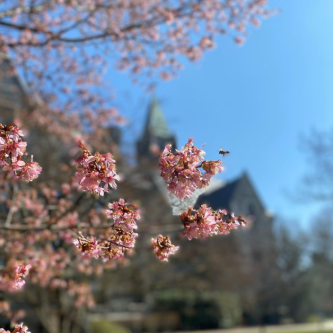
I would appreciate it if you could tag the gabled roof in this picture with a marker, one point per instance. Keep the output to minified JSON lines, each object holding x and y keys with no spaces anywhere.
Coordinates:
{"x":224,"y":196}
{"x":219,"y":198}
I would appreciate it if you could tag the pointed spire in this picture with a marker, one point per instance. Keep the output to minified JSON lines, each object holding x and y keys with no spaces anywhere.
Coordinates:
{"x":156,"y":133}
{"x":156,"y":124}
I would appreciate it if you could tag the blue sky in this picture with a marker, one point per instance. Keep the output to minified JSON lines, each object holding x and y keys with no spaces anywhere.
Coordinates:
{"x":255,"y":100}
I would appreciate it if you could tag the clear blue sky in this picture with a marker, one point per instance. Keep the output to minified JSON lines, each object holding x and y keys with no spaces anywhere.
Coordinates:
{"x":255,"y":100}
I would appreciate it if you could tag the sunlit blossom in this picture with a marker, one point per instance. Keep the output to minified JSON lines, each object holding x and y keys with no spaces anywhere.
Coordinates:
{"x":163,"y":247}
{"x":182,"y":172}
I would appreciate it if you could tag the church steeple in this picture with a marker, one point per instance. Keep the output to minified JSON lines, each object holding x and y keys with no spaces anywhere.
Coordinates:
{"x":156,"y":133}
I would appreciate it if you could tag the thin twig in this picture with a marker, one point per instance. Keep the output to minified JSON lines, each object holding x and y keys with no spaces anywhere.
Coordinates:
{"x":11,"y":209}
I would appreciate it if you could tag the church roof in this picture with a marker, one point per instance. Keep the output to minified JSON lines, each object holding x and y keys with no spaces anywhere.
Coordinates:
{"x":221,"y":197}
{"x":156,"y":124}
{"x":226,"y":195}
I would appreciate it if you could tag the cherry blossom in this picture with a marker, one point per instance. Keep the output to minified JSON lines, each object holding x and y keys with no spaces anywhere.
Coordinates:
{"x":124,"y":215}
{"x":118,"y":238}
{"x":205,"y":222}
{"x":96,"y":173}
{"x":88,"y":246}
{"x":163,"y":247}
{"x":118,"y":243}
{"x":114,"y":247}
{"x":45,"y":222}
{"x":64,"y":50}
{"x":17,"y":329}
{"x":12,"y":278}
{"x":30,"y":171}
{"x":21,"y":272}
{"x":181,"y":169}
{"x":12,"y":150}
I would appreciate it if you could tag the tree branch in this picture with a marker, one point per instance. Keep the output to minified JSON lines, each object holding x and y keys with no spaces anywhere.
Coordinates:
{"x":11,"y":209}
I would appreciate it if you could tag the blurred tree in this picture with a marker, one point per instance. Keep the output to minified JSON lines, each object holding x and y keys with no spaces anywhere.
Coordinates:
{"x":294,"y":287}
{"x":321,"y":269}
{"x":313,"y":290}
{"x":318,"y":183}
{"x":62,"y":49}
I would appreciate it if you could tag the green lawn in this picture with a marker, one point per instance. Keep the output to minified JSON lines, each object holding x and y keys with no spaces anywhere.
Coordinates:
{"x":296,"y":331}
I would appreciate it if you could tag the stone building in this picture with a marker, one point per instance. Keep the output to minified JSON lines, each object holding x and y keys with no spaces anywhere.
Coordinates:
{"x":238,"y":196}
{"x":13,"y":94}
{"x":244,"y":263}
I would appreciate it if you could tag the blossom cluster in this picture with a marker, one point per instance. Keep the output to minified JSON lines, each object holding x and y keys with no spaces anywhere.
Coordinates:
{"x":72,"y":67}
{"x":17,"y":329}
{"x":21,"y":272}
{"x":123,"y":215}
{"x":205,"y":222}
{"x":96,"y":173}
{"x":88,"y":246}
{"x":13,"y":277}
{"x":182,"y":172}
{"x":110,"y":233}
{"x":114,"y":247}
{"x":163,"y":247}
{"x":12,"y":150}
{"x":120,"y":237}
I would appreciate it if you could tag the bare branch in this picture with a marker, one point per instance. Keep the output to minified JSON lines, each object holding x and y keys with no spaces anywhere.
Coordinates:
{"x":11,"y":209}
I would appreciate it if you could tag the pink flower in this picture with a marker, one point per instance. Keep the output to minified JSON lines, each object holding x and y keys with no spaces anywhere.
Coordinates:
{"x":163,"y":247}
{"x":255,"y":21}
{"x":181,"y":170}
{"x":239,"y":40}
{"x":118,"y":242}
{"x":17,"y":329}
{"x":21,"y":272}
{"x":17,"y":132}
{"x":123,"y":215}
{"x":88,"y":247}
{"x":20,"y":329}
{"x":206,"y":43}
{"x":96,"y":173}
{"x":212,"y":167}
{"x":120,"y":237}
{"x":4,"y":331}
{"x":205,"y":222}
{"x":30,"y":171}
{"x":14,"y":146}
{"x":14,"y":166}
{"x":2,"y":144}
{"x":12,"y":149}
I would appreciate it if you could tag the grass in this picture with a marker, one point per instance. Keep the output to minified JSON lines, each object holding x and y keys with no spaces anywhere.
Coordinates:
{"x":318,"y":331}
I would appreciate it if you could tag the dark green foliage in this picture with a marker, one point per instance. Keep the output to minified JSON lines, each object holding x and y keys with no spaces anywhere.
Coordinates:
{"x":194,"y":314}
